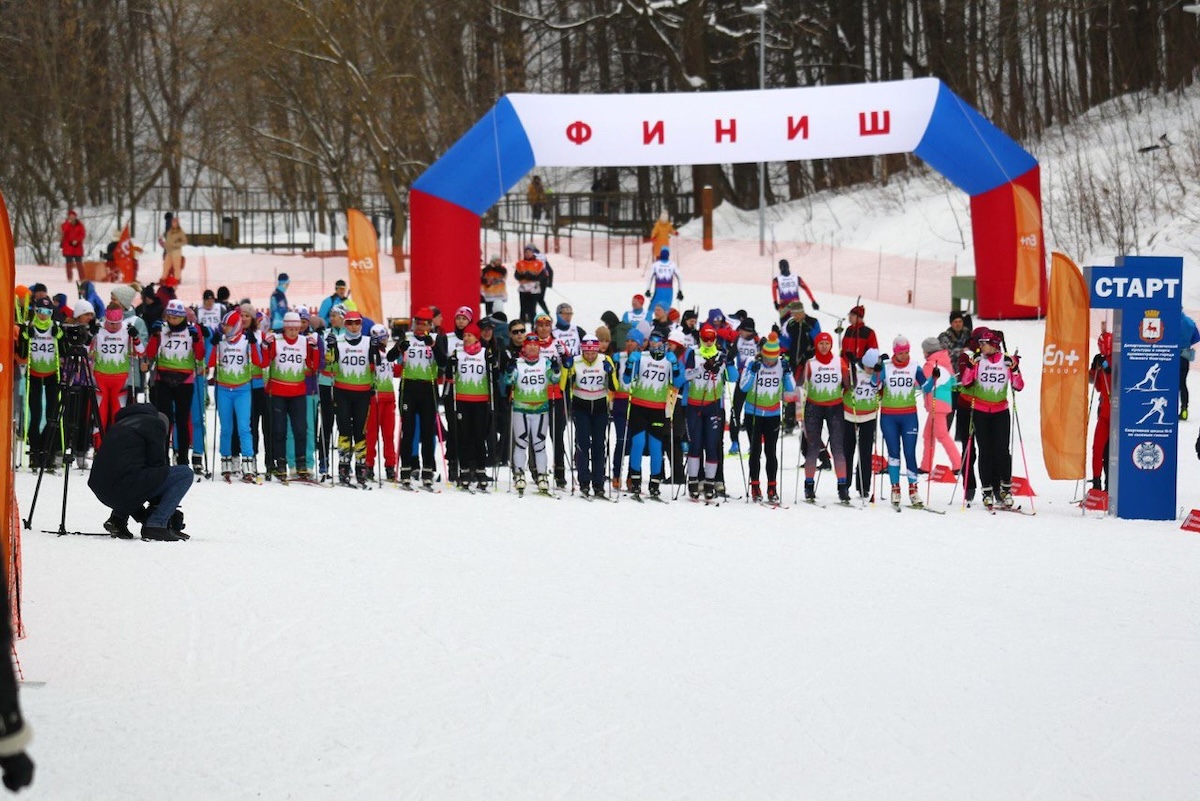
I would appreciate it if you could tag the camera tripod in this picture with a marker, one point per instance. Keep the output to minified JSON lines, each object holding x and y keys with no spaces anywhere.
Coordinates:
{"x":77,"y":394}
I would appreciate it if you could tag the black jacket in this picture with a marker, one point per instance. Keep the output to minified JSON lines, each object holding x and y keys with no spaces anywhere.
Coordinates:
{"x":800,"y":341}
{"x":131,"y":463}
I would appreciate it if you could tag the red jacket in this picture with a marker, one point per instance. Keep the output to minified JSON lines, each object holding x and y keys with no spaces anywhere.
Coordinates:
{"x":73,"y":235}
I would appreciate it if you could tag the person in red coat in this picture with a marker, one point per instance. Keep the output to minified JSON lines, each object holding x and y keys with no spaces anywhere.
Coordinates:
{"x":73,"y":234}
{"x":859,"y":337}
{"x":1101,"y":377}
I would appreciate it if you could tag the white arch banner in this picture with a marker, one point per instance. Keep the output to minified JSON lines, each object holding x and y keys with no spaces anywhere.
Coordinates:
{"x":727,"y":127}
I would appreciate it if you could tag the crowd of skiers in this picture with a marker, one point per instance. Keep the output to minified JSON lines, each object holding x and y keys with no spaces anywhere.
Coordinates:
{"x":572,"y":406}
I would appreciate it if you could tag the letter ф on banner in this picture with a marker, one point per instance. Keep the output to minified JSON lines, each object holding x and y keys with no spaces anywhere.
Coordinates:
{"x":1146,"y":294}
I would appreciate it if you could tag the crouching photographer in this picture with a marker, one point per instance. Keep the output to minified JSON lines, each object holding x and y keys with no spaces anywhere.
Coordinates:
{"x":132,"y":476}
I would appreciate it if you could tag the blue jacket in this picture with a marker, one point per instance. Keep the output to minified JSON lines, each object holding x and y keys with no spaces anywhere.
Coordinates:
{"x":1188,"y":337}
{"x":279,"y":307}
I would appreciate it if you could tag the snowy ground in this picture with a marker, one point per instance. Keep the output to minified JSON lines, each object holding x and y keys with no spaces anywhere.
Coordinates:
{"x":320,"y":643}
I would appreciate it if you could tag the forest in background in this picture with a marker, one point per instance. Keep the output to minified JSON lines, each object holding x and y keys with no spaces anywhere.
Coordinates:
{"x":321,"y":104}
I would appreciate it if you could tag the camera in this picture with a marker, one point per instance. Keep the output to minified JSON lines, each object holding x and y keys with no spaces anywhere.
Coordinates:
{"x":76,"y":336}
{"x":399,"y":327}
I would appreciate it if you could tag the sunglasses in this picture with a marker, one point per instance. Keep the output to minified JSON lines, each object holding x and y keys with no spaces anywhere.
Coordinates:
{"x":44,"y":312}
{"x":517,"y":331}
{"x":354,"y":322}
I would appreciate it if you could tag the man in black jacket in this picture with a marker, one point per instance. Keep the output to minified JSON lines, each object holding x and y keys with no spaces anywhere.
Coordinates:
{"x":131,"y":469}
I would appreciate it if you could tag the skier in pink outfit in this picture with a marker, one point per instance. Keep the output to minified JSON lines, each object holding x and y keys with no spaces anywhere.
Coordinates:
{"x":938,"y":389}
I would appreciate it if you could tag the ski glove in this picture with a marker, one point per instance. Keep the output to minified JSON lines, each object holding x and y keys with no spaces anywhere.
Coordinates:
{"x":679,"y":295}
{"x":156,"y":326}
{"x":1013,"y":363}
{"x":1198,"y":447}
{"x":251,"y":337}
{"x":755,"y":365}
{"x":608,"y":368}
{"x":937,"y":373}
{"x":816,"y":306}
{"x":131,"y":329}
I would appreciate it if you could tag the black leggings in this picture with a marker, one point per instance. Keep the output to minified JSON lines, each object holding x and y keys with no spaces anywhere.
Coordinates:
{"x":471,"y":432}
{"x":970,"y":448}
{"x":995,"y":458}
{"x":293,"y":410}
{"x":352,"y":408}
{"x":39,"y":388}
{"x":419,"y":404}
{"x":1184,"y":367}
{"x":860,"y":436}
{"x":175,"y":401}
{"x":764,"y":435}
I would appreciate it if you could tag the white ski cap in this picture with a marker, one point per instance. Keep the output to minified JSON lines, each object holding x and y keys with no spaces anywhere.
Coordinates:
{"x":871,"y":358}
{"x":676,"y":337}
{"x":82,"y":307}
{"x":292,"y":317}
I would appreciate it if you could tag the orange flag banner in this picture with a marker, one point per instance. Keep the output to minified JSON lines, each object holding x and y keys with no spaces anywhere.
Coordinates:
{"x":123,"y":257}
{"x":10,"y":521}
{"x":1065,"y":366}
{"x":1027,"y":290}
{"x":363,"y":248}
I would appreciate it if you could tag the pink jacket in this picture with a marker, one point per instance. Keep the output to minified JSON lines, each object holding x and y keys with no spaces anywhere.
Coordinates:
{"x":938,"y":398}
{"x":1014,"y":377}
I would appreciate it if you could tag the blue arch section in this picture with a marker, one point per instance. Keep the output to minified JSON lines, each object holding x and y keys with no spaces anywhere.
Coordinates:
{"x":484,"y":164}
{"x":971,"y":152}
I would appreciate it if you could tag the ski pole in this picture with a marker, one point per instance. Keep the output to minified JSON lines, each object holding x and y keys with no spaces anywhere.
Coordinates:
{"x":967,"y":465}
{"x":753,"y":437}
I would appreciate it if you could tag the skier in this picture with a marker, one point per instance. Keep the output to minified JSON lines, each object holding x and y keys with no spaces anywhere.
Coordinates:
{"x":746,"y":351}
{"x":177,"y":353}
{"x":637,"y":316}
{"x":471,"y":371}
{"x":991,"y":373}
{"x":663,"y":276}
{"x":707,"y":371}
{"x":353,"y":361}
{"x":291,"y":358}
{"x":648,"y":377}
{"x":767,"y":383}
{"x":900,"y":378}
{"x":418,"y":402}
{"x":786,"y":287}
{"x":381,"y":417}
{"x":590,"y":378}
{"x":529,"y":378}
{"x":114,"y":345}
{"x":860,"y":404}
{"x":552,"y":348}
{"x":620,"y":407}
{"x":1101,"y":378}
{"x":938,"y":390}
{"x":325,"y":403}
{"x":279,"y":302}
{"x":232,"y":359}
{"x":826,"y":379}
{"x":447,"y":346}
{"x":858,"y":337}
{"x":39,"y":345}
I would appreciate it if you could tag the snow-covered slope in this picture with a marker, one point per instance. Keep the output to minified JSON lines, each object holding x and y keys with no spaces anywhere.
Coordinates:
{"x":321,"y":643}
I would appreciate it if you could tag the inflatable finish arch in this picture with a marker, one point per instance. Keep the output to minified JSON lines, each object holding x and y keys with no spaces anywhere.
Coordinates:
{"x":922,"y":116}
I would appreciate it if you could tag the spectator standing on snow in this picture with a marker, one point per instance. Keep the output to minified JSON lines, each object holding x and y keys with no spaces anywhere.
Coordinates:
{"x":173,"y":243}
{"x":660,"y":235}
{"x":279,"y":302}
{"x":73,"y":236}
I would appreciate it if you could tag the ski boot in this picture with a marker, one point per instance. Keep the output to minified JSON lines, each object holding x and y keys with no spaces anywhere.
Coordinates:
{"x":118,"y":526}
{"x":543,"y":484}
{"x":896,"y":497}
{"x":406,"y":478}
{"x":772,"y":493}
{"x":656,"y":487}
{"x":914,"y":497}
{"x":481,"y":480}
{"x":598,"y":492}
{"x":344,"y":473}
{"x":81,"y":461}
{"x":452,"y":473}
{"x":693,"y":489}
{"x":719,"y":488}
{"x":560,"y":478}
{"x":198,"y":465}
{"x":360,"y":474}
{"x":389,"y":473}
{"x":427,"y":480}
{"x":755,"y":492}
{"x":843,"y":492}
{"x":734,"y":448}
{"x":810,"y":490}
{"x":1006,"y":496}
{"x":634,"y":485}
{"x":585,"y":492}
{"x":519,"y":481}
{"x":1096,"y":483}
{"x":1183,"y":413}
{"x":227,"y":469}
{"x":989,"y":500}
{"x":710,"y":491}
{"x":249,"y":470}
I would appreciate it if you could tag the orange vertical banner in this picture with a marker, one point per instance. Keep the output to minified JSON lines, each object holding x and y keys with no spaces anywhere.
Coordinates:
{"x":363,"y":248}
{"x":10,"y":521}
{"x":1027,"y":290}
{"x":1065,"y":372}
